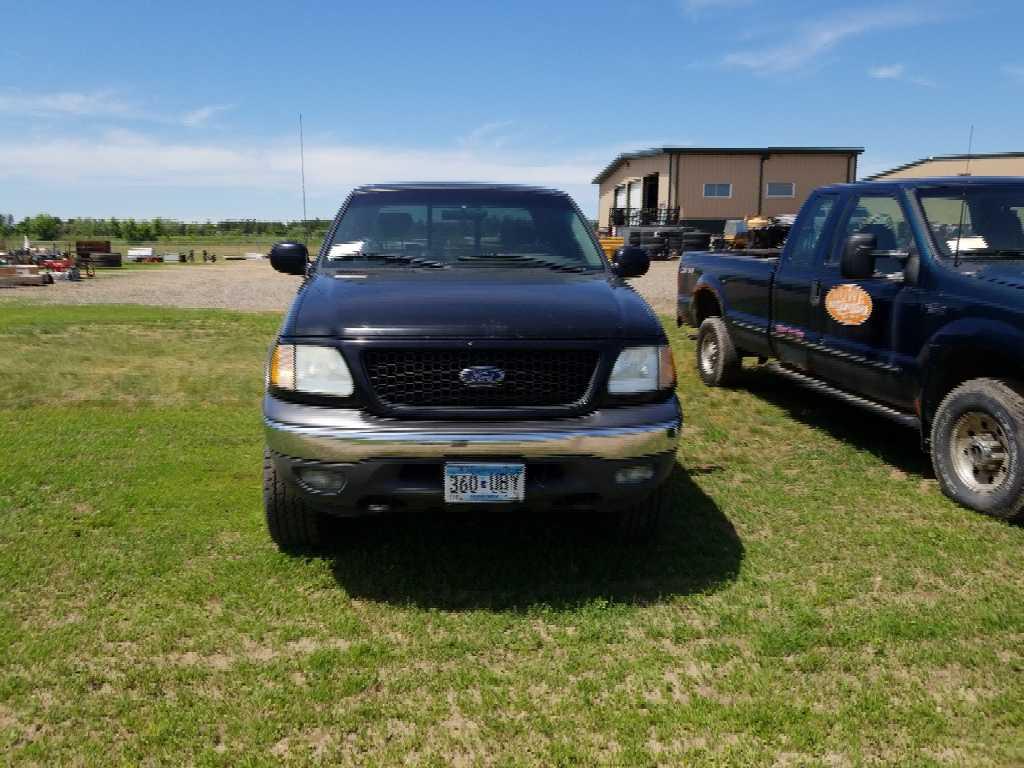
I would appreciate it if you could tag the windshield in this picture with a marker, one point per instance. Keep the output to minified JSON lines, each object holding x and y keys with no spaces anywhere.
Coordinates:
{"x":433,"y":228}
{"x":983,"y":221}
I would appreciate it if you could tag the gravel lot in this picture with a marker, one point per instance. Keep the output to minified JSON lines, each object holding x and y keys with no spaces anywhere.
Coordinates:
{"x":248,"y":285}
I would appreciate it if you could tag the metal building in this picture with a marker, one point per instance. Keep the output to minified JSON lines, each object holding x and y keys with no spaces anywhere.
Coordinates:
{"x":997,"y":164}
{"x":706,"y":186}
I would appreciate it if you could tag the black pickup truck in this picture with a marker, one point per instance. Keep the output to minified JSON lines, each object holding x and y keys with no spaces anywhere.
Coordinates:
{"x":905,"y":297}
{"x":465,"y":344}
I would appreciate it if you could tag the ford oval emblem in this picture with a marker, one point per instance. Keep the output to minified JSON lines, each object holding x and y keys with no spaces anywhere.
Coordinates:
{"x":482,"y":376}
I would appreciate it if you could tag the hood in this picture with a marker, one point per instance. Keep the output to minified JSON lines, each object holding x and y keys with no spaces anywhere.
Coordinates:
{"x":470,"y":303}
{"x":1006,"y":273}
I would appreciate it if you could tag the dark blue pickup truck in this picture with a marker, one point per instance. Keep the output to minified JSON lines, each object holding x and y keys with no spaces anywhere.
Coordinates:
{"x":905,"y":297}
{"x":463,"y":344}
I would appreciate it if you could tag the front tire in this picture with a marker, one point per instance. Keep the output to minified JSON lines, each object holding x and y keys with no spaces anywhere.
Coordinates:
{"x":977,"y":444}
{"x":639,"y":521}
{"x":292,"y":525}
{"x":718,"y":363}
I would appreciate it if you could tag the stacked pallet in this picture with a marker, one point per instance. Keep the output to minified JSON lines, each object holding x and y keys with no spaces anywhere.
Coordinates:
{"x":12,"y":275}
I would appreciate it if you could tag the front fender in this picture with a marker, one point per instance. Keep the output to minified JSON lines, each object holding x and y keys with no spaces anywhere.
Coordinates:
{"x":967,"y":348}
{"x":971,"y":333}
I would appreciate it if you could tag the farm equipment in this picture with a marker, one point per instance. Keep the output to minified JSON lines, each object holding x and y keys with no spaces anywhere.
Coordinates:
{"x":666,"y":242}
{"x":754,"y":233}
{"x":144,"y":255}
{"x":56,"y":262}
{"x":13,"y":275}
{"x":610,"y":245}
{"x":96,"y":253}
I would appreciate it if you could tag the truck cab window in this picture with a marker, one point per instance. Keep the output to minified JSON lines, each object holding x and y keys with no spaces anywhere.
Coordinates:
{"x":975,"y":221}
{"x":809,"y":232}
{"x":881,"y":216}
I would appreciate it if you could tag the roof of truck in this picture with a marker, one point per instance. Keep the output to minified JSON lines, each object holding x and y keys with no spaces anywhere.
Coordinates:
{"x":401,"y":186}
{"x":929,"y":181}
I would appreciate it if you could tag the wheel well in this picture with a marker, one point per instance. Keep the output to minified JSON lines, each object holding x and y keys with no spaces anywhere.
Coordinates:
{"x":705,"y":305}
{"x":954,"y":369}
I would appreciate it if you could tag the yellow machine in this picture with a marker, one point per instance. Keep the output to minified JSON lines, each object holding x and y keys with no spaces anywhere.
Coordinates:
{"x":610,"y":245}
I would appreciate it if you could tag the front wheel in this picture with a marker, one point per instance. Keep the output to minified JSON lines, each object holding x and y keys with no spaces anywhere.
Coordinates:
{"x":718,"y":363}
{"x":639,"y":521}
{"x":977,"y":444}
{"x":292,"y":525}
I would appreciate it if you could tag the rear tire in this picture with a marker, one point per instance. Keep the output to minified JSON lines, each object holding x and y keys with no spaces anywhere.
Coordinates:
{"x":977,"y":445}
{"x":718,"y":363}
{"x":292,"y":525}
{"x":639,"y":521}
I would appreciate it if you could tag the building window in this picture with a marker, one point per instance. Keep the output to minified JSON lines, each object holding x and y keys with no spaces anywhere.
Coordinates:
{"x":781,"y":189}
{"x":718,"y":190}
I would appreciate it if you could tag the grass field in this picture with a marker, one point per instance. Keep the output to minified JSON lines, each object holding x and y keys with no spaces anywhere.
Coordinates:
{"x":811,"y":600}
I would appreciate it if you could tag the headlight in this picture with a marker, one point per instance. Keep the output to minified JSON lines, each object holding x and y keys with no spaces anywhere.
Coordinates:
{"x":643,"y":369}
{"x":311,"y":369}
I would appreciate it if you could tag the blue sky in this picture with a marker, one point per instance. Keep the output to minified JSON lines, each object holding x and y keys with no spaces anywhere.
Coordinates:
{"x":188,"y":109}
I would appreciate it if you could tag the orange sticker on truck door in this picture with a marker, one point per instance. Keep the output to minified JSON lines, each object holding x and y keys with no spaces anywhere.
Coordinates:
{"x":848,"y":304}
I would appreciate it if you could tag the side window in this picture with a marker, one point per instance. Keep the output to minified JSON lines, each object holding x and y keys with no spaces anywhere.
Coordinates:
{"x":807,"y":236}
{"x":881,"y":216}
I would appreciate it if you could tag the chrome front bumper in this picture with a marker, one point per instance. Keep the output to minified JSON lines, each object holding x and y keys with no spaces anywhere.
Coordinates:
{"x":345,"y":436}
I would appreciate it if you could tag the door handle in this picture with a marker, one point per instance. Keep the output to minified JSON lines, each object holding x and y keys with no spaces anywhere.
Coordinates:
{"x":815,"y":293}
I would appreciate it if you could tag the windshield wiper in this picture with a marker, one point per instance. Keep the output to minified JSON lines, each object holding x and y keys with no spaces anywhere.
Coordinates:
{"x":517,"y":260}
{"x":391,"y":258}
{"x":993,"y":253}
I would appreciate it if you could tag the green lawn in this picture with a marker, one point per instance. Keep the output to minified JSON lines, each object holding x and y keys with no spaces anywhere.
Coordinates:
{"x":811,"y":600}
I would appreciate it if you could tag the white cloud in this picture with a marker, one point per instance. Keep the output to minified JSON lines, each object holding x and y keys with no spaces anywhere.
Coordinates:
{"x":77,"y":103}
{"x":494,"y":134}
{"x":99,"y":104}
{"x":816,"y":38}
{"x":899,"y":72}
{"x":1016,"y":71}
{"x":199,"y":116}
{"x":887,"y":72}
{"x":127,"y":159}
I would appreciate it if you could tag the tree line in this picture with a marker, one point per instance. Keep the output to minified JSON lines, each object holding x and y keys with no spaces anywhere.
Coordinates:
{"x":46,"y":227}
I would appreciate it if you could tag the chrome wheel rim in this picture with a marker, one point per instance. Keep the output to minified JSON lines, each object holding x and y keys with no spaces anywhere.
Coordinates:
{"x":980,"y":452}
{"x":709,"y":354}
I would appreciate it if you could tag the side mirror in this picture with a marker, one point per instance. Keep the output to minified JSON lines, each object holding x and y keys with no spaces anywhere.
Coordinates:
{"x":631,"y":261}
{"x":858,"y":259}
{"x":290,"y":258}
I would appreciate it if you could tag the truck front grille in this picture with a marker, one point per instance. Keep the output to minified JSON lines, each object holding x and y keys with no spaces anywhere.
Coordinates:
{"x":426,"y":378}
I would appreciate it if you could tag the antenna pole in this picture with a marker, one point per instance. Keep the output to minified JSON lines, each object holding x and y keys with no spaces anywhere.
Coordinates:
{"x":970,"y":148}
{"x":963,"y":199}
{"x":302,"y":166}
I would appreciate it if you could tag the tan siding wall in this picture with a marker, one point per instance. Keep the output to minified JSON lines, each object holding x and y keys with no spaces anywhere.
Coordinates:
{"x":980,"y":166}
{"x":807,"y":171}
{"x":697,"y":170}
{"x":605,"y":200}
{"x":628,"y":171}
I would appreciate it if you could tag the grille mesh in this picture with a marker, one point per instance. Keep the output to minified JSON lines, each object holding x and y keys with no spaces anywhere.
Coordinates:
{"x":430,"y":377}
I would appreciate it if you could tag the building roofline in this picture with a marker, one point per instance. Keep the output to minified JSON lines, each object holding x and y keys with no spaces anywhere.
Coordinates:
{"x":624,"y":156}
{"x":923,"y":160}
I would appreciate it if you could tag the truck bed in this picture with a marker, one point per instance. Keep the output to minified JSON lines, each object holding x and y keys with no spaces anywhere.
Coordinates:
{"x":743,"y":279}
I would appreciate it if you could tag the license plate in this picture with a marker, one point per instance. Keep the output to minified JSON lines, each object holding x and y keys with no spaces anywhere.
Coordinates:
{"x":483,"y":483}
